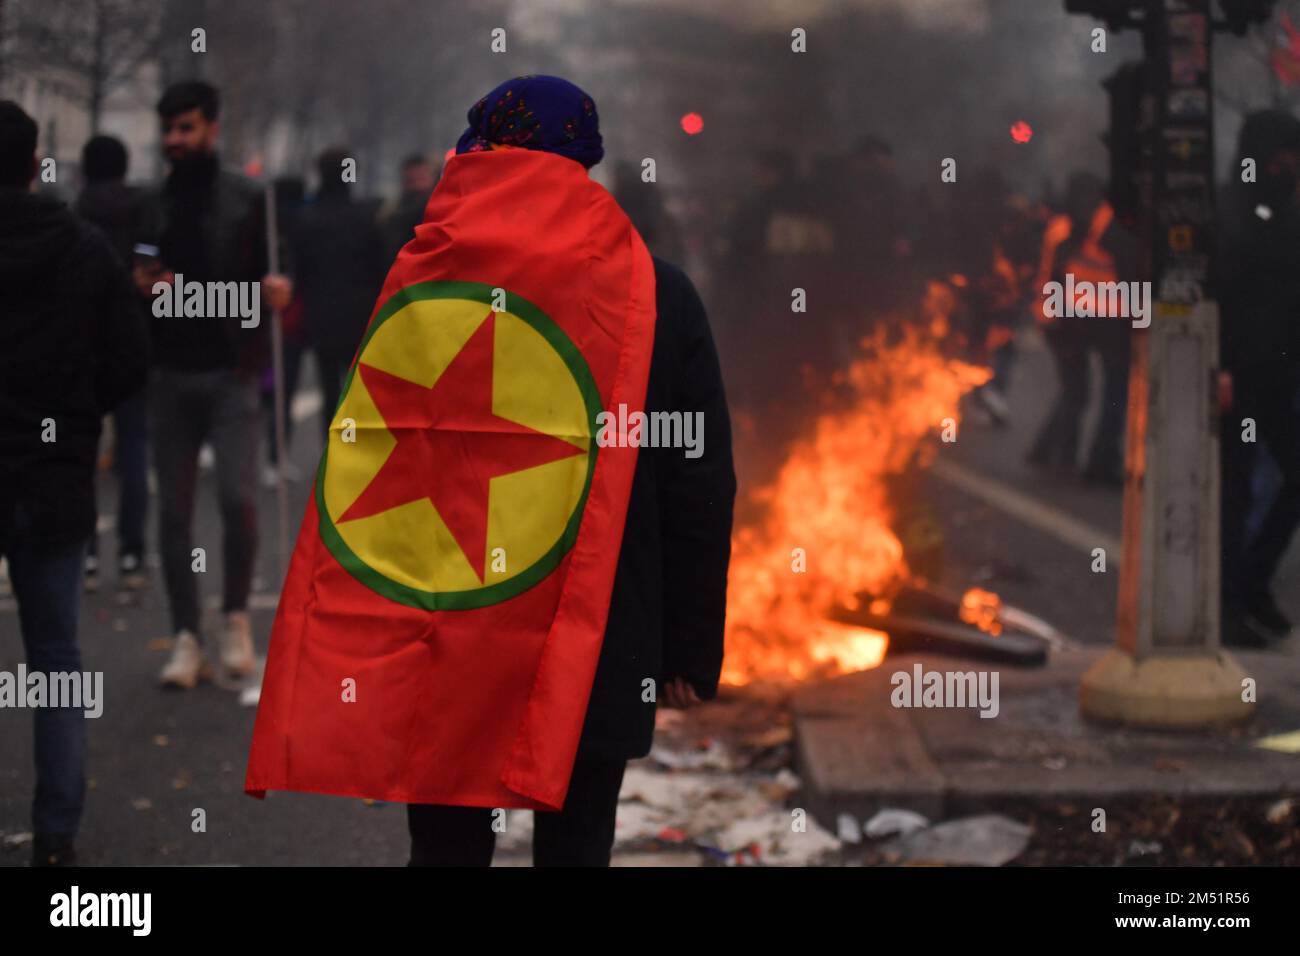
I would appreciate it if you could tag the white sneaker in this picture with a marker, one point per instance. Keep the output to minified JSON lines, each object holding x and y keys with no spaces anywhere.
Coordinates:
{"x":237,"y":645}
{"x":271,"y":475}
{"x":187,"y":665}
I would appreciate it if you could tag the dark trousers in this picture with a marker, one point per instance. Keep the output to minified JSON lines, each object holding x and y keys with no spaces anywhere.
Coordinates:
{"x":292,"y":366}
{"x":1113,"y":346}
{"x":46,"y":582}
{"x":131,"y":463}
{"x":582,"y":834}
{"x":187,"y":409}
{"x":1268,"y":396}
{"x":332,"y":365}
{"x":1057,"y":444}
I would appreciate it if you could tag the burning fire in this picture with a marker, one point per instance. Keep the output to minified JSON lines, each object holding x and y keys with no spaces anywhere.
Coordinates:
{"x":981,"y":608}
{"x":825,"y":537}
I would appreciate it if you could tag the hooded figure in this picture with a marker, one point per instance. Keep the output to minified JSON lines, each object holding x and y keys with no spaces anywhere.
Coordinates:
{"x":1258,"y":286}
{"x":496,"y":578}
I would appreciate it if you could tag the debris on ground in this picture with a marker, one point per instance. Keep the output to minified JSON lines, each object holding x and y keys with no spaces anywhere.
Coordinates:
{"x":12,"y":841}
{"x":1280,"y":812}
{"x":894,"y":822}
{"x":987,"y":840}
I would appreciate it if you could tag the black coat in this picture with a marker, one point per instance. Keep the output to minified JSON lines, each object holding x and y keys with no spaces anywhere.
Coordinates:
{"x":74,"y":346}
{"x":669,"y":600}
{"x":1257,"y":280}
{"x":233,"y":248}
{"x":339,"y":267}
{"x":1258,"y":275}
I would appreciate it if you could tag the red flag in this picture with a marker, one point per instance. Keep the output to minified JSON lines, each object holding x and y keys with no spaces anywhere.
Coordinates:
{"x":443,"y":612}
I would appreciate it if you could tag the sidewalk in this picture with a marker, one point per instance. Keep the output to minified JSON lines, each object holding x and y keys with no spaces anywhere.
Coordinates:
{"x":858,"y":754}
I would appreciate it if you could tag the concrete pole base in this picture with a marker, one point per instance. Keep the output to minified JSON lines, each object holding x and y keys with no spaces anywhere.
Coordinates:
{"x":1171,"y":693}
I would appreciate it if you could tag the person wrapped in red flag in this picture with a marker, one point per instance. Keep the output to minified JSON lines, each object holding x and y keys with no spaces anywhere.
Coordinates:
{"x":494,"y":582}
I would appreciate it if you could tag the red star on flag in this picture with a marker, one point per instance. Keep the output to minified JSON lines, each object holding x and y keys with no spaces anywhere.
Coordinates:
{"x":450,"y":444}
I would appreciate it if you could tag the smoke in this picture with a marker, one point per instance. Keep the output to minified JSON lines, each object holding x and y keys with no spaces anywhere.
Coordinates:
{"x":935,"y":78}
{"x":540,"y":15}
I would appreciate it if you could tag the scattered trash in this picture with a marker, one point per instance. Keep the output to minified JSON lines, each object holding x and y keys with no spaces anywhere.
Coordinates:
{"x":988,"y":840}
{"x":1280,"y":812}
{"x":732,"y":819}
{"x":847,"y":829}
{"x":1139,"y":848}
{"x":1054,"y":763}
{"x":771,"y":839}
{"x":249,"y":696}
{"x":892,"y":822}
{"x":714,"y":755}
{"x":142,"y":803}
{"x":13,"y":840}
{"x":779,"y":788}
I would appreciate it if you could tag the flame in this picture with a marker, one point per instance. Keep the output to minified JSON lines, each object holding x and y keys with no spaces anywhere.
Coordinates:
{"x":825,"y":535}
{"x":981,"y":608}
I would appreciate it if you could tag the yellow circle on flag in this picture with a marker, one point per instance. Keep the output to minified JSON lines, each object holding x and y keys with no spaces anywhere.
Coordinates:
{"x":417,"y":499}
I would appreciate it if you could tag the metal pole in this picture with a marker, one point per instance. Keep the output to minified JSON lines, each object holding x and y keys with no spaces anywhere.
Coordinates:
{"x":277,"y":371}
{"x":1167,"y":669}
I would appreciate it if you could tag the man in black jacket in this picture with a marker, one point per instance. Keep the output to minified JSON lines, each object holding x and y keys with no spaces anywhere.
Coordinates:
{"x":109,"y":203}
{"x":74,"y":346}
{"x":339,"y":265}
{"x":397,"y":223}
{"x":1259,"y":288}
{"x":208,"y":225}
{"x":666,"y":613}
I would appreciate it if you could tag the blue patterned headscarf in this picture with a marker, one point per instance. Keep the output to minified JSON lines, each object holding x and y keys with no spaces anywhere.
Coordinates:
{"x":536,"y":112}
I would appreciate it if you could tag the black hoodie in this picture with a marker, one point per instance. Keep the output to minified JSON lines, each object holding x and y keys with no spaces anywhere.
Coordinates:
{"x":72,"y":346}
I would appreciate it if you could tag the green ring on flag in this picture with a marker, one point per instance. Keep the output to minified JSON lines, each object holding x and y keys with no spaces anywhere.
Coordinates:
{"x":573,"y":359}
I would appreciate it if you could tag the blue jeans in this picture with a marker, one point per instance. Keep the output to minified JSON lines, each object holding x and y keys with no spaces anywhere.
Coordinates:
{"x":47,"y":584}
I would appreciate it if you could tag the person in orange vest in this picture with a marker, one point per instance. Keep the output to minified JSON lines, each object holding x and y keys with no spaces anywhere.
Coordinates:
{"x":1088,"y":243}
